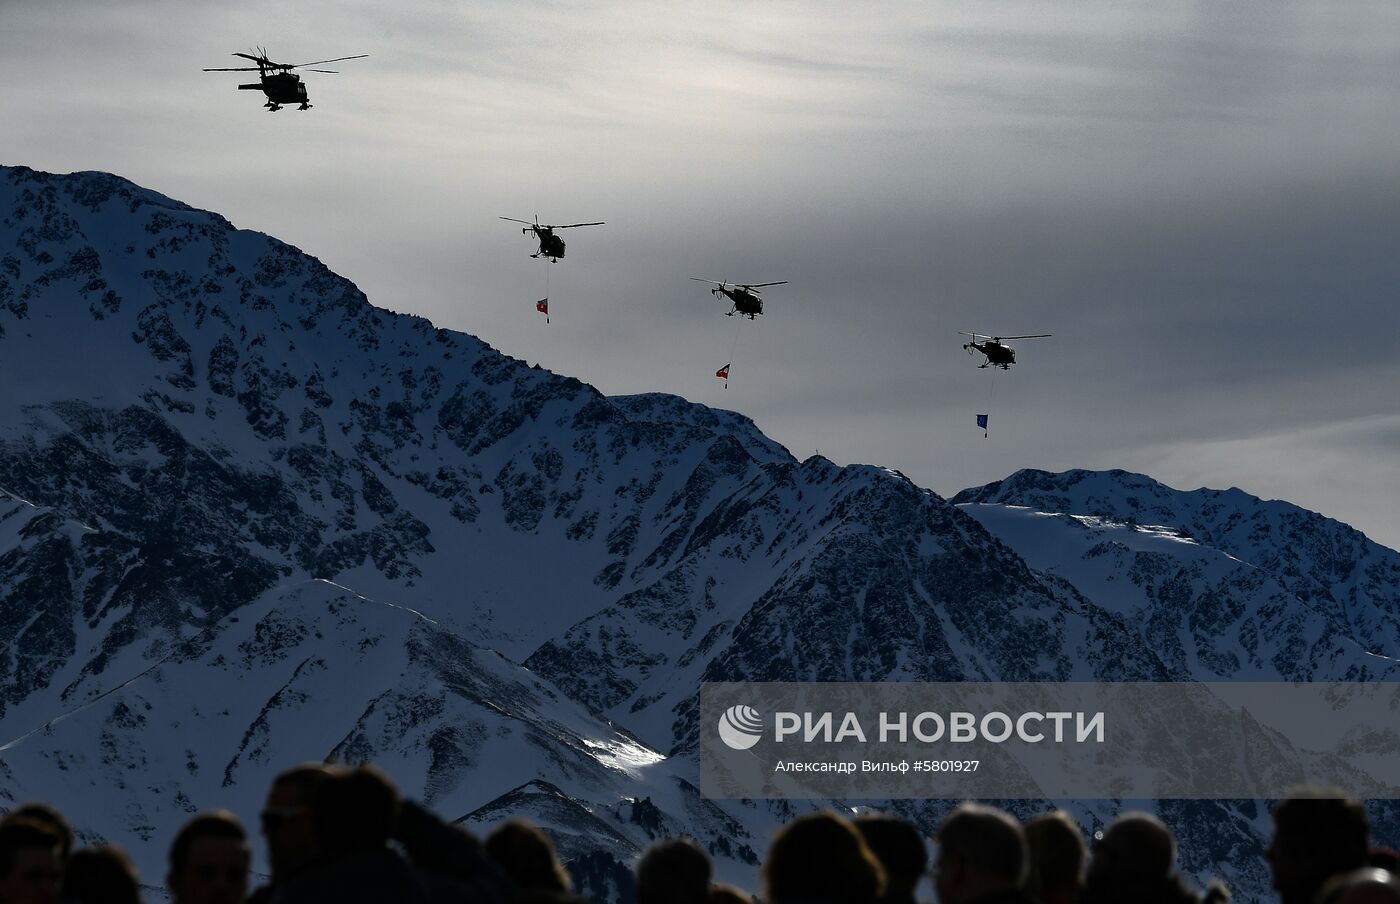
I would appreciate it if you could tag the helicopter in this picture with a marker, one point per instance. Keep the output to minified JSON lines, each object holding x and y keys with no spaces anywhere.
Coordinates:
{"x":551,"y":245}
{"x":745,"y":298}
{"x":278,"y":82}
{"x":998,"y":355}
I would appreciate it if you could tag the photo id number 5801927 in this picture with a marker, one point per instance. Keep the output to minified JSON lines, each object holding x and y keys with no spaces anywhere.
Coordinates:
{"x":946,"y":765}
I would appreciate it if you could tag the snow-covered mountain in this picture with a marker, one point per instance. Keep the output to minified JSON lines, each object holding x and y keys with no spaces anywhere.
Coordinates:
{"x":1226,"y":586}
{"x":248,"y":519}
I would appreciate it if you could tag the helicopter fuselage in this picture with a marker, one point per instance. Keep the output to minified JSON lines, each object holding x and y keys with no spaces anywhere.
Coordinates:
{"x":551,"y":245}
{"x":998,"y":355}
{"x":746,"y":303}
{"x":281,"y":88}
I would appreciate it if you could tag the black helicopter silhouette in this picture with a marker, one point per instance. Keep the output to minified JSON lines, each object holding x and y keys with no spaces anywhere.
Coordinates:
{"x":551,"y":245}
{"x":278,"y":82}
{"x":744,"y":295}
{"x":998,"y":355}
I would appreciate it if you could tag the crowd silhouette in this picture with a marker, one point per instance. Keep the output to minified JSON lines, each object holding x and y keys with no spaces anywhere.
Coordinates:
{"x":343,"y":835}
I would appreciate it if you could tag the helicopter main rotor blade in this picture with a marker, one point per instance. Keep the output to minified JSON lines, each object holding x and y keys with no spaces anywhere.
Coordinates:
{"x":359,"y":56}
{"x":1036,"y":336}
{"x":514,"y":220}
{"x":331,"y":71}
{"x":781,"y":282}
{"x":572,"y":225}
{"x":973,"y":335}
{"x":710,"y":281}
{"x":249,"y":56}
{"x":238,"y":69}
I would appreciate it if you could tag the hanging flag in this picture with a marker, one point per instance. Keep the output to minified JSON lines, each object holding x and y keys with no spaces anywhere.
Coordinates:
{"x":723,"y":374}
{"x":543,"y":307}
{"x":982,"y":422}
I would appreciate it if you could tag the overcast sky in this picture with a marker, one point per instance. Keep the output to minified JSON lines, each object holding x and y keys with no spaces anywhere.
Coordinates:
{"x":1201,"y":200}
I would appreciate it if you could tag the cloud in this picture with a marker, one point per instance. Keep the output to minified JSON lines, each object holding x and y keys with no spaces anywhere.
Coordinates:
{"x":1198,"y":200}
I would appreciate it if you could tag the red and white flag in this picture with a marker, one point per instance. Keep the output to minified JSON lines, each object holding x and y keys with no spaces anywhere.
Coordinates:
{"x":543,"y":307}
{"x":723,"y":372}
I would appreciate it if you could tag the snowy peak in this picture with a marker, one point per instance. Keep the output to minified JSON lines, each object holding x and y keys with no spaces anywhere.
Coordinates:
{"x":223,"y":386}
{"x":1216,"y":517}
{"x":1328,"y":596}
{"x":663,"y":408}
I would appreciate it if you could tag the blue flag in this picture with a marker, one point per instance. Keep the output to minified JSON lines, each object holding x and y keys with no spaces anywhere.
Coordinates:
{"x":982,"y":421}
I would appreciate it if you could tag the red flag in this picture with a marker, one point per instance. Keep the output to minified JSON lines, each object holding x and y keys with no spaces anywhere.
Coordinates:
{"x":543,"y":307}
{"x":723,"y":372}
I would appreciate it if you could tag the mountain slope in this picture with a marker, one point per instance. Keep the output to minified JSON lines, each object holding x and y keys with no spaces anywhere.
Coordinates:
{"x":1265,"y":590}
{"x":249,"y":519}
{"x":232,"y":398}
